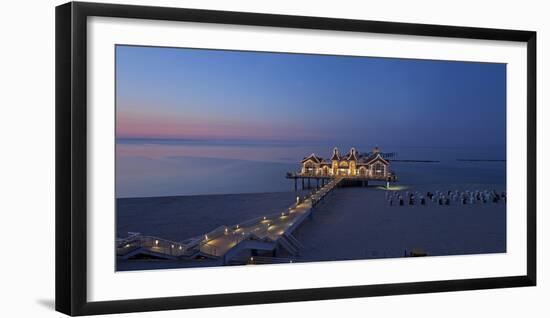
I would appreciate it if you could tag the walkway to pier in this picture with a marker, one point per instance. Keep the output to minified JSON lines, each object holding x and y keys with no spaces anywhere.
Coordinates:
{"x":225,"y":242}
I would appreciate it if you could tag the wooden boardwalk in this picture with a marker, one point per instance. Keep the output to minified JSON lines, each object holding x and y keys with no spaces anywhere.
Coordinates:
{"x":266,"y":233}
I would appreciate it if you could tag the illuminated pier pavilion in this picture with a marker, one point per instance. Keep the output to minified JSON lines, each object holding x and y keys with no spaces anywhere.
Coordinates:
{"x":354,"y":167}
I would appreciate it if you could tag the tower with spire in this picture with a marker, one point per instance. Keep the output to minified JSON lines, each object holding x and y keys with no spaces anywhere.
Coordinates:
{"x":335,"y":160}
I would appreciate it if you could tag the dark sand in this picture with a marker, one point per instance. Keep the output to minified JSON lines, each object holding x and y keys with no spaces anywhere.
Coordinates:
{"x":358,"y":223}
{"x":180,"y":218}
{"x":351,"y":223}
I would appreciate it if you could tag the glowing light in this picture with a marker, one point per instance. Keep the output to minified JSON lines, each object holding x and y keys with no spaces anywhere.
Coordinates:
{"x":127,"y":245}
{"x":206,"y":237}
{"x":395,"y":188}
{"x":156,"y":242}
{"x":172,"y":246}
{"x":180,"y":248}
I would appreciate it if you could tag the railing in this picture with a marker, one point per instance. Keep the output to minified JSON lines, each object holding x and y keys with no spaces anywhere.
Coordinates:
{"x":208,"y":249}
{"x":256,"y":228}
{"x":215,"y":232}
{"x":390,"y":176}
{"x":294,"y":240}
{"x":151,"y":243}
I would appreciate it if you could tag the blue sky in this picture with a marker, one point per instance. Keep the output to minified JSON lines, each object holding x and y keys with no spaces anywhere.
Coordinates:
{"x":216,"y":94}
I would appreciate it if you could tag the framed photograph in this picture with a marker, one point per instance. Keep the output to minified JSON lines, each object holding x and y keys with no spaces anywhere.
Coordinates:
{"x":208,"y":158}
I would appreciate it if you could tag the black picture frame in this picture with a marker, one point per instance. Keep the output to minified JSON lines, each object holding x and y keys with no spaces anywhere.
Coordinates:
{"x":71,"y":157}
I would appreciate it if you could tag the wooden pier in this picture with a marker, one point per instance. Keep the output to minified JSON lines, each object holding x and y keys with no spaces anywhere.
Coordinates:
{"x":270,"y":233}
{"x":316,"y":181}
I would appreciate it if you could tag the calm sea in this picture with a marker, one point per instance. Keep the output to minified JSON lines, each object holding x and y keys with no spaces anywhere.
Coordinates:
{"x":148,"y":168}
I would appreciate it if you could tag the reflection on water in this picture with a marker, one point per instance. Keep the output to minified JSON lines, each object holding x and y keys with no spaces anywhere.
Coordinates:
{"x":174,"y":167}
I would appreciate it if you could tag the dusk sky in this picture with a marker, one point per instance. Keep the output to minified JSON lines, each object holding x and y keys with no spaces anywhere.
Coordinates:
{"x":214,"y":94}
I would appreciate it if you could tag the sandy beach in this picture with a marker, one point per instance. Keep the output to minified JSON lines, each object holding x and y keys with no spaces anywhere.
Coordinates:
{"x":351,"y":223}
{"x":358,"y":223}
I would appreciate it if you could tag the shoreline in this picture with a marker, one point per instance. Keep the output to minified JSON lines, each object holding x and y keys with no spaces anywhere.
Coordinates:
{"x":202,"y":195}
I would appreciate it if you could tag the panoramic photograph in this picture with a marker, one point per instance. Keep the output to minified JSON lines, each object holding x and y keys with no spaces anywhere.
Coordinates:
{"x":232,"y":158}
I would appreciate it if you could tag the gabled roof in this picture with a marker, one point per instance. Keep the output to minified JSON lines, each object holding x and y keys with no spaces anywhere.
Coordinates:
{"x":376,"y":157}
{"x":313,"y":158}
